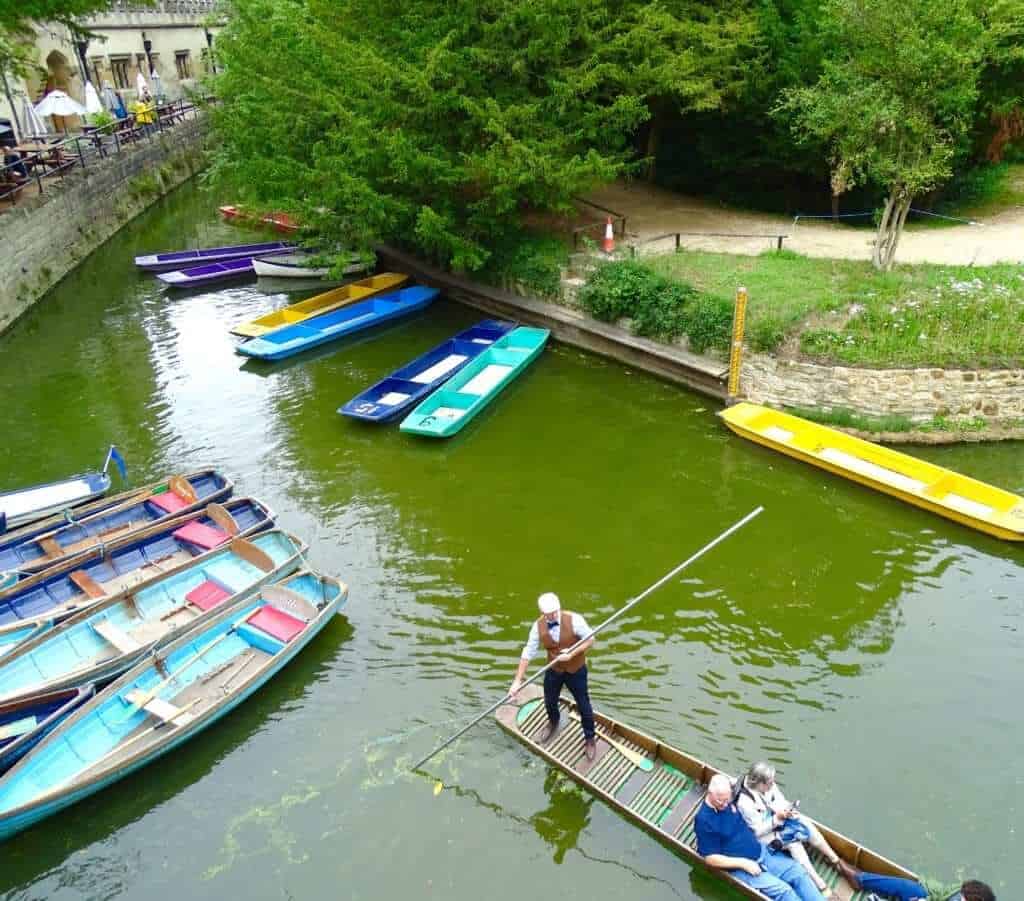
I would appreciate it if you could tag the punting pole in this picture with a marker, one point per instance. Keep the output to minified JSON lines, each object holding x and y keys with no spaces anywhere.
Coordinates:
{"x":649,"y":590}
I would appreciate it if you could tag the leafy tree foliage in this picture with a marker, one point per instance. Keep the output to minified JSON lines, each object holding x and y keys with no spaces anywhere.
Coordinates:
{"x":444,"y":123}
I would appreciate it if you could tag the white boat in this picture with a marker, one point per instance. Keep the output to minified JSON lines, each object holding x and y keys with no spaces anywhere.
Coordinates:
{"x":296,"y":266}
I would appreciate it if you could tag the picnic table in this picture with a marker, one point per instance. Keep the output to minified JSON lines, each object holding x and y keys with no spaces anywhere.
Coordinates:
{"x":49,"y":156}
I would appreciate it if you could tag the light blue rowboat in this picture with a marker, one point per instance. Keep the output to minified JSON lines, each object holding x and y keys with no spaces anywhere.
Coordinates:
{"x":167,"y":699}
{"x":110,"y":636}
{"x":356,"y":317}
{"x":467,"y":393}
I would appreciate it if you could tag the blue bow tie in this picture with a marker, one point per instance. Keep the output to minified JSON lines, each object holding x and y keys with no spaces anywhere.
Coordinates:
{"x":553,"y":625}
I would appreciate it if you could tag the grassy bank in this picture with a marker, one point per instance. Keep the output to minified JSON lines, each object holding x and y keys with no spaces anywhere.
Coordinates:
{"x":843,"y":311}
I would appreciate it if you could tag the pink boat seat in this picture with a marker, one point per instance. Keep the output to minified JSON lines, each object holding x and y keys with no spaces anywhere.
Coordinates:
{"x":201,"y":534}
{"x":276,"y":623}
{"x":207,"y":595}
{"x":169,"y":502}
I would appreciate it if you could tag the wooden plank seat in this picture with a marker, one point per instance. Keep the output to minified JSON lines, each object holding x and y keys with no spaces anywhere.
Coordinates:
{"x":169,"y":501}
{"x":201,"y":535}
{"x":87,"y":584}
{"x":207,"y":595}
{"x":161,"y":709}
{"x":121,"y":640}
{"x":276,"y":623}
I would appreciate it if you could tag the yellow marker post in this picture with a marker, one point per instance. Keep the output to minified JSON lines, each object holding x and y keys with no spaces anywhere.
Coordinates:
{"x":739,"y":318}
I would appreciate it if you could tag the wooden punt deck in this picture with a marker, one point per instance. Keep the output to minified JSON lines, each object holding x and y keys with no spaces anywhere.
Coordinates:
{"x":665,"y":799}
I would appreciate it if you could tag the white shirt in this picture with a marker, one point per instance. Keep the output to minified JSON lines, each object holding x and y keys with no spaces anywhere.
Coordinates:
{"x":533,"y":646}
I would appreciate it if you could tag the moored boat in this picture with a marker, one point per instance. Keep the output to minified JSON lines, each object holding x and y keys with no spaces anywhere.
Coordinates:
{"x":292,"y":339}
{"x":658,"y":787}
{"x":207,"y":274}
{"x":281,"y":222}
{"x":284,"y":266}
{"x":126,"y":562}
{"x":176,"y":497}
{"x":965,"y":500}
{"x":321,"y":303}
{"x":447,"y":410}
{"x":167,"y":699}
{"x":106,"y":638}
{"x":405,"y":387}
{"x":25,"y":723}
{"x":181,"y":259}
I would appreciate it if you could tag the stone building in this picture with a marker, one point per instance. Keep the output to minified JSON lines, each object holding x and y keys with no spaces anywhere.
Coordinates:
{"x":174,"y":38}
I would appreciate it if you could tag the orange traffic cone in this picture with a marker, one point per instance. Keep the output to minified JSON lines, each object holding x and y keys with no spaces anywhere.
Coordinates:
{"x":609,"y":237}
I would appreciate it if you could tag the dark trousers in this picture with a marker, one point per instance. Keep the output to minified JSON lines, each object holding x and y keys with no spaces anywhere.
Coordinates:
{"x":577,"y":685}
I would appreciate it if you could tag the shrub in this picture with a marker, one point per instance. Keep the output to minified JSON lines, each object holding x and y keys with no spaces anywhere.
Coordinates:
{"x":766,"y":334}
{"x":533,"y":261}
{"x":708,"y":323}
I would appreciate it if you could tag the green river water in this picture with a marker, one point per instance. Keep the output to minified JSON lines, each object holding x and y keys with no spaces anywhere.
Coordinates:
{"x":873,"y":651}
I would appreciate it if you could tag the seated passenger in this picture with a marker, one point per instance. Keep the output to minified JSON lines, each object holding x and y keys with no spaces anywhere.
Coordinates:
{"x":767,"y":812}
{"x":726,"y":842}
{"x":973,"y":890}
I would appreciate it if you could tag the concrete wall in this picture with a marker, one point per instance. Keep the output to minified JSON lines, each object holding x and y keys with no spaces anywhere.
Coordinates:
{"x":46,"y":236}
{"x":996,"y":395}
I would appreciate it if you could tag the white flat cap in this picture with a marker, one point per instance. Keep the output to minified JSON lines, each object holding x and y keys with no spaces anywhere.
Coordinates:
{"x":548,"y":602}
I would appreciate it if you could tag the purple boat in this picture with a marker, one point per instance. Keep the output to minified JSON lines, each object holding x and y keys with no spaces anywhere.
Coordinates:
{"x":198,"y":276}
{"x":159,"y":262}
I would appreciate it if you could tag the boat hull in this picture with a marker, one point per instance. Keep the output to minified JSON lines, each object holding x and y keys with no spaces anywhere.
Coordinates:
{"x":183,"y":259}
{"x":953,"y":496}
{"x":448,"y":410}
{"x":48,"y":711}
{"x":26,"y":505}
{"x":26,"y":815}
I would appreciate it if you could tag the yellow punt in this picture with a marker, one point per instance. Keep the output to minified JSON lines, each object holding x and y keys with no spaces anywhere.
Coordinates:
{"x":965,"y":500}
{"x":322,"y":303}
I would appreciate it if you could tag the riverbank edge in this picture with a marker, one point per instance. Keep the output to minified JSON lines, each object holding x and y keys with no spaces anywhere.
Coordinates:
{"x":708,"y":375}
{"x":45,"y":238}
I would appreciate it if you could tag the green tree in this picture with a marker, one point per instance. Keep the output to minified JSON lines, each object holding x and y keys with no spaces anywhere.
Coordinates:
{"x":895,"y":101}
{"x":443,"y":124}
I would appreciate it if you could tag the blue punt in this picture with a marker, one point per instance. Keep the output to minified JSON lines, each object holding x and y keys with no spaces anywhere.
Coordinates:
{"x":24,"y":724}
{"x":406,"y":387}
{"x":62,"y":590}
{"x":176,"y":497}
{"x":107,"y":637}
{"x":291,"y":339}
{"x":168,"y":698}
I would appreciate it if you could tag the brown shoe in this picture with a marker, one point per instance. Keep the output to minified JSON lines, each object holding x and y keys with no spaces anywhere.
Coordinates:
{"x":850,"y":874}
{"x":551,"y":729}
{"x":590,"y":748}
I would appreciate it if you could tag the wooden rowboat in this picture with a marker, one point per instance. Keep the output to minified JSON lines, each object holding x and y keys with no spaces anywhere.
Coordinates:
{"x":26,"y":723}
{"x":207,"y":274}
{"x":322,"y":303}
{"x":26,"y":505}
{"x":181,"y":259}
{"x":446,"y":411}
{"x":960,"y":498}
{"x":658,"y":787}
{"x":108,"y":636}
{"x":357,"y":317}
{"x":284,"y":266}
{"x":167,"y":699}
{"x":178,"y":496}
{"x":404,"y":388}
{"x":281,"y":222}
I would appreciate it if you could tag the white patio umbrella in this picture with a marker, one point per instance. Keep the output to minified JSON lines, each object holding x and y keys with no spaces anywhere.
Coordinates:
{"x":140,"y":83}
{"x":57,"y":103}
{"x":30,"y":122}
{"x":92,"y":99}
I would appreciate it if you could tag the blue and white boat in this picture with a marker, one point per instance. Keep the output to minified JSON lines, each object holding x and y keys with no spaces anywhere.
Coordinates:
{"x":176,"y":497}
{"x":107,"y":637}
{"x":25,"y":723}
{"x":181,"y":259}
{"x":128,"y":562}
{"x":406,"y":387}
{"x":291,"y":339}
{"x":169,"y":698}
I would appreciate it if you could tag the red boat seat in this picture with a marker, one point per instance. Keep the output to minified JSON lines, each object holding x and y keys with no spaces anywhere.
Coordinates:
{"x":207,"y":595}
{"x":169,"y":502}
{"x":201,"y":534}
{"x":276,"y":623}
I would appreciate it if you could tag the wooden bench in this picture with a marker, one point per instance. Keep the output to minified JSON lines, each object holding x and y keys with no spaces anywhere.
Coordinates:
{"x":161,"y":709}
{"x":116,"y":636}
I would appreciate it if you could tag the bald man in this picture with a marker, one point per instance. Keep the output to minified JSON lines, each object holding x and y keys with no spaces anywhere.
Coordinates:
{"x":557,"y":630}
{"x":726,"y":842}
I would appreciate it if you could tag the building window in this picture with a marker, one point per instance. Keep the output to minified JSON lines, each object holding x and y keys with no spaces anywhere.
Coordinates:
{"x":97,"y":72}
{"x":119,"y":69}
{"x":183,"y":63}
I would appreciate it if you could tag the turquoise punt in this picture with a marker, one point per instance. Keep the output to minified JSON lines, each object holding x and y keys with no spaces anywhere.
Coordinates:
{"x":459,"y":400}
{"x":109,"y":636}
{"x":168,"y":698}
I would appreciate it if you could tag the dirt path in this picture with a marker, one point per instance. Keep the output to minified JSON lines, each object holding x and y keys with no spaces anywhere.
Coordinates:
{"x":652,"y":211}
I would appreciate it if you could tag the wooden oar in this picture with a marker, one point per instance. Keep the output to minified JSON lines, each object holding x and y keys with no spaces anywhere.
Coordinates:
{"x":634,"y":757}
{"x":665,"y":578}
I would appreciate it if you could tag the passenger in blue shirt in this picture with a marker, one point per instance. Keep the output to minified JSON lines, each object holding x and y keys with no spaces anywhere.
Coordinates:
{"x":726,"y":842}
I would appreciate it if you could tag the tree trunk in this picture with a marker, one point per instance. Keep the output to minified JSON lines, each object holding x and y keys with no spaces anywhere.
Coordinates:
{"x":890,"y":228}
{"x":653,"y":139}
{"x":835,"y":207}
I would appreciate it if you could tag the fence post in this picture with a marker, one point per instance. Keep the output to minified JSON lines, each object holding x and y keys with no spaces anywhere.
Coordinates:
{"x":781,"y":238}
{"x":678,"y":238}
{"x":739,"y":318}
{"x":78,"y":147}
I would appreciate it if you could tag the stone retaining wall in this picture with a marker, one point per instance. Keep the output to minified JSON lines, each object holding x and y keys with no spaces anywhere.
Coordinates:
{"x":45,"y":237}
{"x":920,"y":395}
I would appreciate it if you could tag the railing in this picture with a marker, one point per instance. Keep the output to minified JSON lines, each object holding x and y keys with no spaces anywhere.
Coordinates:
{"x":185,"y":7}
{"x":56,"y":158}
{"x":617,"y":220}
{"x":678,"y":236}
